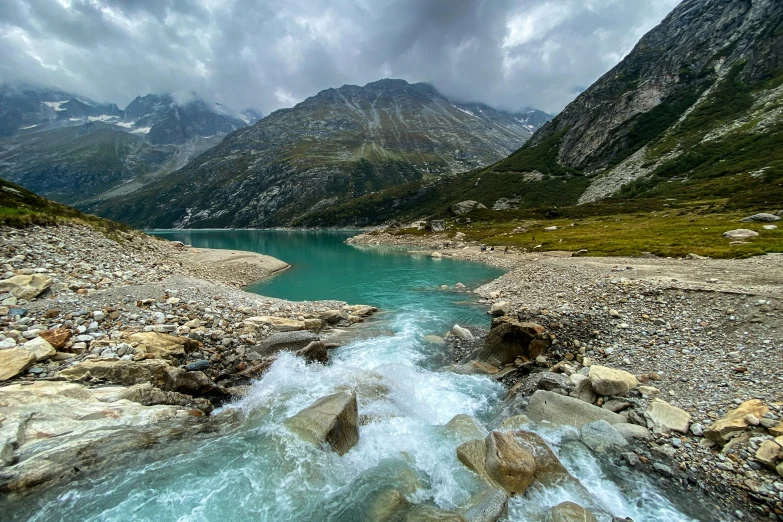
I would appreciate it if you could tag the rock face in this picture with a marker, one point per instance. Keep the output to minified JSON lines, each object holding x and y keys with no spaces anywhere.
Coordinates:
{"x":609,"y":381}
{"x":14,"y":361}
{"x":81,"y":430}
{"x":25,"y":286}
{"x":559,"y":409}
{"x":332,"y":419}
{"x":509,"y":338}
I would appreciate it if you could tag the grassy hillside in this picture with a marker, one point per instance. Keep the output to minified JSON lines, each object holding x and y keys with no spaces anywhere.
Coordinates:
{"x":20,"y":207}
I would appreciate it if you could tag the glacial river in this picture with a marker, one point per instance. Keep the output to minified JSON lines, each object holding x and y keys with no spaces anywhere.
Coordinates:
{"x":262,"y":472}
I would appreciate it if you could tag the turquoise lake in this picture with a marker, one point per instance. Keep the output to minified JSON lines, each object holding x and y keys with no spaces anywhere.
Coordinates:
{"x":323,"y":266}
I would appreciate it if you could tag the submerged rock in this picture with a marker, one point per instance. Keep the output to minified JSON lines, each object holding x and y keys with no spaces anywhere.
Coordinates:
{"x":332,"y":419}
{"x":570,"y":512}
{"x":489,"y":505}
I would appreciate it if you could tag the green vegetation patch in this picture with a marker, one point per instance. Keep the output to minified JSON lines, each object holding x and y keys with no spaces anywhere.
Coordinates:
{"x":543,"y":157}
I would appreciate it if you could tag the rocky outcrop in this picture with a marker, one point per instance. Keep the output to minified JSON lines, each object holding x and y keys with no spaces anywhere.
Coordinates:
{"x":464,"y":207}
{"x":510,"y":338}
{"x":58,"y":430}
{"x":285,"y":341}
{"x":331,"y":420}
{"x":163,"y":346}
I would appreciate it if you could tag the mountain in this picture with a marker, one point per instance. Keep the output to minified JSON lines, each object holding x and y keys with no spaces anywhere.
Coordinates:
{"x":693,"y":114}
{"x":337,"y":145}
{"x":75,"y":150}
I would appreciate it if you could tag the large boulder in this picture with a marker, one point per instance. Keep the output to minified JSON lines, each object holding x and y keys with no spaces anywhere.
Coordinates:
{"x":14,"y":361}
{"x":761,"y":218}
{"x":464,"y":207}
{"x":508,"y":464}
{"x":25,"y":286}
{"x":609,"y":381}
{"x":465,"y":427}
{"x":462,"y":333}
{"x":740,"y":234}
{"x":661,"y":413}
{"x":163,"y":346}
{"x":570,"y":512}
{"x":509,"y":338}
{"x":285,"y":341}
{"x":499,"y":308}
{"x":40,"y":348}
{"x":332,"y":419}
{"x":471,"y":454}
{"x":734,"y":423}
{"x":560,"y":409}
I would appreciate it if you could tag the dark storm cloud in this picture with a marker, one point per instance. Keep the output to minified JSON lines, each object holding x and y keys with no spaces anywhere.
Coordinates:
{"x":251,"y":53}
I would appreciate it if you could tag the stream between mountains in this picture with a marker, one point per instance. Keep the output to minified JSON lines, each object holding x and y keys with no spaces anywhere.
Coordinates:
{"x":260,"y":471}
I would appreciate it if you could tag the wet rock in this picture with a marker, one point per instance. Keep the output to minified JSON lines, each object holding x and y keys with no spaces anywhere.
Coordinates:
{"x":284,"y":341}
{"x":561,"y":409}
{"x":508,"y":339}
{"x":508,"y":464}
{"x":471,"y":454}
{"x":197,"y":366}
{"x":314,"y":352}
{"x":600,"y":436}
{"x":14,"y":361}
{"x":608,"y":381}
{"x":489,"y":505}
{"x":465,"y":427}
{"x":664,"y":414}
{"x":570,"y":512}
{"x":332,"y":419}
{"x":334,"y":316}
{"x":148,"y":395}
{"x":25,"y":286}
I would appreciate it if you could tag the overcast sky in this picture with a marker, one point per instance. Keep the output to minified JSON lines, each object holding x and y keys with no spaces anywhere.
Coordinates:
{"x":273,"y":54}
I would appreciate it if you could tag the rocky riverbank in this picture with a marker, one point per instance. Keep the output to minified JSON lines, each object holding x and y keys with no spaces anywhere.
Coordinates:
{"x":109,"y":344}
{"x":698,"y":339}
